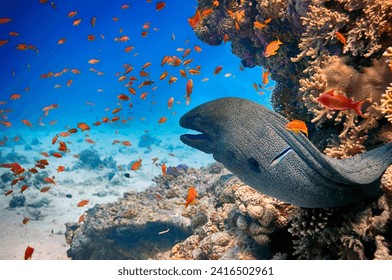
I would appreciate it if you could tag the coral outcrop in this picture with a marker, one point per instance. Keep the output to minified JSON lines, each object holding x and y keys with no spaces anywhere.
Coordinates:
{"x":230,"y":220}
{"x":326,"y":45}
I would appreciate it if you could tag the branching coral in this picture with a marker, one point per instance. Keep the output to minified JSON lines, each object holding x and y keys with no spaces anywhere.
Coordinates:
{"x":367,"y":85}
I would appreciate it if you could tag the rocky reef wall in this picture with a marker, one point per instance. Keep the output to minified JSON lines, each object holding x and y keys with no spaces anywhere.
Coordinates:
{"x":326,"y":45}
{"x":230,"y":220}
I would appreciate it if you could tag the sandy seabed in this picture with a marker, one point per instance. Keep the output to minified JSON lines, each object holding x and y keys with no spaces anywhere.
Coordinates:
{"x":45,"y":230}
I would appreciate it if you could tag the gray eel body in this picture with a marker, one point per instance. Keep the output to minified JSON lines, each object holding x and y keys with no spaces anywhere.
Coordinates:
{"x":245,"y":137}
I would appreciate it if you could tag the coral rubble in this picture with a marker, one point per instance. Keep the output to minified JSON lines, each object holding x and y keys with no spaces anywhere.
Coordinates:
{"x":229,"y":221}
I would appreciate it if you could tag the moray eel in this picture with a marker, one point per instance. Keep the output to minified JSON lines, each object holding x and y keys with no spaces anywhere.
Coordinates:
{"x":246,"y":137}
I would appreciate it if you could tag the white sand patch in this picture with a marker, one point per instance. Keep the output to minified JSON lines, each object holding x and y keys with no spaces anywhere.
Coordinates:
{"x":45,"y":231}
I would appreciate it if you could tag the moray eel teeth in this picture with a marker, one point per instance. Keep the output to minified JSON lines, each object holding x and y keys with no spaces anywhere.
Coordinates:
{"x":247,"y":139}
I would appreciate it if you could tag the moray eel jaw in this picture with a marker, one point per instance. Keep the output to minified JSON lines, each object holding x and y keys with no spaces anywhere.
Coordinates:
{"x":202,"y":141}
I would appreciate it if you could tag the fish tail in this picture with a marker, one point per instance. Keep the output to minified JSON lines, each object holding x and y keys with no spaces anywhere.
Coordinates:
{"x":358,"y":107}
{"x":186,"y":204}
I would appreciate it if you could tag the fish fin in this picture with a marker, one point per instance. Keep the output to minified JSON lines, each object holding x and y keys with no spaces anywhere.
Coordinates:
{"x":357,"y":108}
{"x":280,"y":156}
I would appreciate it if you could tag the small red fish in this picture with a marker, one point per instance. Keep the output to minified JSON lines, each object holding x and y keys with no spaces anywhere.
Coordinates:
{"x":339,"y":102}
{"x":49,"y":180}
{"x":163,"y":167}
{"x":83,"y":203}
{"x":341,"y":37}
{"x":160,"y":5}
{"x":162,"y":120}
{"x":297,"y":126}
{"x":28,"y":253}
{"x":191,"y":198}
{"x":217,"y":70}
{"x":137,"y":164}
{"x":83,"y":126}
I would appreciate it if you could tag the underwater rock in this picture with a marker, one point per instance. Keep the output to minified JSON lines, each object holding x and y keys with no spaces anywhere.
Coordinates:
{"x":15,"y":157}
{"x":39,"y":203}
{"x":177,"y":170}
{"x":147,"y":140}
{"x":28,"y":147}
{"x":35,"y":142}
{"x":17,"y":201}
{"x":89,"y":159}
{"x":6,"y":177}
{"x":230,"y":220}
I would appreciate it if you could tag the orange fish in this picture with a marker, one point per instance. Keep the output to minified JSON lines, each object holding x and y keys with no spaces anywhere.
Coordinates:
{"x":191,"y":198}
{"x":13,"y":33}
{"x":69,"y":82}
{"x":189,"y":87}
{"x":297,"y":126}
{"x":83,"y":126}
{"x":341,"y":38}
{"x":88,"y":140}
{"x":9,"y":192}
{"x":340,"y":102}
{"x":137,"y":164}
{"x":170,"y":102}
{"x":129,"y":48}
{"x":272,"y":48}
{"x":26,"y":122}
{"x":125,"y":6}
{"x":60,"y":168}
{"x":91,"y":37}
{"x":163,"y":75}
{"x":162,"y":120}
{"x":5,"y":20}
{"x":226,"y":38}
{"x":93,"y":21}
{"x":76,"y":22}
{"x":64,"y":134}
{"x":72,"y":13}
{"x":197,"y":48}
{"x":126,"y":143}
{"x":23,"y":188}
{"x":93,"y":61}
{"x":264,"y":77}
{"x":75,"y":71}
{"x":195,"y":20}
{"x":15,"y":96}
{"x":183,"y":73}
{"x":49,"y":180}
{"x":123,"y":97}
{"x":81,"y":218}
{"x":44,"y":189}
{"x":83,"y":202}
{"x":25,"y":220}
{"x":143,"y":95}
{"x":45,"y":154}
{"x":3,"y":42}
{"x":160,"y":5}
{"x":217,"y":70}
{"x":122,"y":39}
{"x":57,"y":155}
{"x":28,"y":253}
{"x":163,"y":167}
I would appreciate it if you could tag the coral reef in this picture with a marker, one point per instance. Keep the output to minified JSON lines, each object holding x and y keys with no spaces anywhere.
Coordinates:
{"x":326,"y":45}
{"x":229,"y":221}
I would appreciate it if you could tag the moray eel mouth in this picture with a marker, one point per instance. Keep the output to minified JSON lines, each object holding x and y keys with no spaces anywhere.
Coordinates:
{"x":202,"y":141}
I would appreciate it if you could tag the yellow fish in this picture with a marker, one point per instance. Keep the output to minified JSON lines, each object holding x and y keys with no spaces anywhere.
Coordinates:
{"x":272,"y":48}
{"x":297,"y":126}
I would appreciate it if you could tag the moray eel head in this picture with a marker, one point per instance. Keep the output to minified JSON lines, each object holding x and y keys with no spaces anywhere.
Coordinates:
{"x":210,"y":120}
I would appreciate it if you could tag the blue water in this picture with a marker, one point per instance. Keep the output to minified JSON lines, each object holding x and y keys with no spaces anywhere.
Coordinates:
{"x":91,"y":97}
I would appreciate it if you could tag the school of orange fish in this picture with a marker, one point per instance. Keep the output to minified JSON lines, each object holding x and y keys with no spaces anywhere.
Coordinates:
{"x":137,"y":85}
